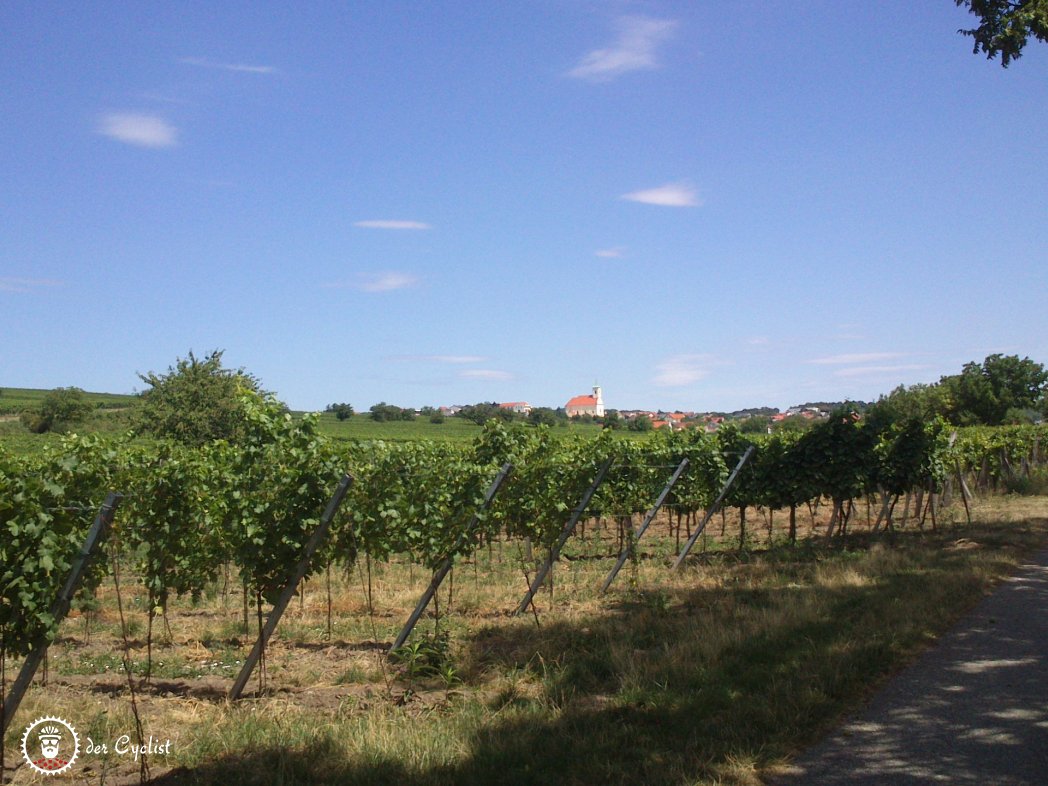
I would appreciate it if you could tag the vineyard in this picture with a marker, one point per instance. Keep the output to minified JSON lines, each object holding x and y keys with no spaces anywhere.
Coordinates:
{"x":515,"y":509}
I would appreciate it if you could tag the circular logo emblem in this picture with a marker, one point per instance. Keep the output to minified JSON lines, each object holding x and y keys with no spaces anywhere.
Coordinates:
{"x":50,"y":745}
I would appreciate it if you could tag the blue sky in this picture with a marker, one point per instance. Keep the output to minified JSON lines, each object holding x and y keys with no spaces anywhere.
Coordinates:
{"x":698,"y":205}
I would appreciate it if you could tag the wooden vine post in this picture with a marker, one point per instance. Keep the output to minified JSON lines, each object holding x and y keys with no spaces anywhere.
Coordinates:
{"x":95,"y":537}
{"x":644,"y":525}
{"x":966,"y":494}
{"x":445,"y":565}
{"x":289,"y":590}
{"x":565,"y":533}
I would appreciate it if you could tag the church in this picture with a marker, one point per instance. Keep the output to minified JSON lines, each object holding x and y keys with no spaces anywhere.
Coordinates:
{"x":586,"y":405}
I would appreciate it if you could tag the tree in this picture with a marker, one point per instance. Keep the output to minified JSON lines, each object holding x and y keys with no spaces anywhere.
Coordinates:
{"x":754,"y":425}
{"x":433,"y":414}
{"x":60,"y":409}
{"x":197,"y":401}
{"x":920,"y":401}
{"x":983,"y":394}
{"x":342,"y":411}
{"x":542,"y":416}
{"x":1005,"y":26}
{"x":640,"y":423}
{"x":382,"y":412}
{"x":795,"y":424}
{"x":484,"y":411}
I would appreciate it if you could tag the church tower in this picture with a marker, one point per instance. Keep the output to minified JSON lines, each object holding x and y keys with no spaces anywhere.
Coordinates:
{"x":600,"y":402}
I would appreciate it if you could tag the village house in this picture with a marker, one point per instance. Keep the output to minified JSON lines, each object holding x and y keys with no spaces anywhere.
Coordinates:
{"x":519,"y":407}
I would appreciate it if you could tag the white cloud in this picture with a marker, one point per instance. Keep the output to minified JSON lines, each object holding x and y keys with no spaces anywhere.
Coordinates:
{"x":855,"y":357}
{"x":386,"y":282}
{"x":681,"y":370}
{"x":486,"y":373}
{"x":138,"y":129}
{"x":758,"y":341}
{"x":633,"y":50}
{"x":457,"y":359}
{"x":669,"y":195}
{"x":871,"y":371}
{"x":8,"y":284}
{"x":449,"y":359}
{"x":391,"y":224}
{"x":241,"y":68}
{"x":609,"y":253}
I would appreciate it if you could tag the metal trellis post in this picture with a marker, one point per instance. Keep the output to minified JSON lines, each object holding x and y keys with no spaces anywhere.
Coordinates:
{"x":289,"y":591}
{"x":564,"y":535}
{"x":447,"y":562}
{"x":714,"y":507}
{"x":95,"y":536}
{"x":644,"y":525}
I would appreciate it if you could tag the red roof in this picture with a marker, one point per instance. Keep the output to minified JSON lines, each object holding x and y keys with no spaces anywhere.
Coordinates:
{"x":582,"y":401}
{"x":511,"y":404}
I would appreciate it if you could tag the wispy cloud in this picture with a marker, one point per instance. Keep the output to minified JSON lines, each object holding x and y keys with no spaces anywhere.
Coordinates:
{"x":610,"y":253}
{"x":137,"y":129}
{"x":669,"y":195}
{"x":456,"y":359}
{"x":878,"y":371}
{"x":450,"y":359}
{"x":681,"y":370}
{"x":486,"y":373}
{"x":633,"y":50}
{"x":386,"y":282}
{"x":758,"y":341}
{"x":391,"y":224}
{"x":376,"y":282}
{"x":855,"y":357}
{"x":241,"y":68}
{"x":9,"y":284}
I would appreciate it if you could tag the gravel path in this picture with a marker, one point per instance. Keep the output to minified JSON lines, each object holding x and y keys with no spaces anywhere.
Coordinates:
{"x":972,"y":710}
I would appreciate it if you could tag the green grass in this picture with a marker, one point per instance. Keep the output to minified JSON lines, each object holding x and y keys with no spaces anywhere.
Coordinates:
{"x":714,"y":674}
{"x":362,"y":427}
{"x":14,"y":400}
{"x":113,"y":412}
{"x":111,"y":415}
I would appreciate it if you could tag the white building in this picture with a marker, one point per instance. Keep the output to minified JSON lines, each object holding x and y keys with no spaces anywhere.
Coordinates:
{"x":519,"y":407}
{"x":586,"y":405}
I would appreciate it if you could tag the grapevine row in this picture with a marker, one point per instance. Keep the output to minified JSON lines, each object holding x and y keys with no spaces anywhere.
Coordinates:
{"x":190,"y":511}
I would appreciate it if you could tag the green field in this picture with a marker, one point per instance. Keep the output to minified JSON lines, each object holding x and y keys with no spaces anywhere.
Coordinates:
{"x":362,"y":427}
{"x":112,"y":415}
{"x":115,"y":413}
{"x":14,"y":400}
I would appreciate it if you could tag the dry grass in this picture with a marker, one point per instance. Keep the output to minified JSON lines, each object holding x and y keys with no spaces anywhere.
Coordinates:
{"x":712,"y":674}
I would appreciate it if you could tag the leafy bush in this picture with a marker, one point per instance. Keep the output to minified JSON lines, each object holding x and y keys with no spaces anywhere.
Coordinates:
{"x":60,"y":409}
{"x":196,"y":401}
{"x":1034,"y":484}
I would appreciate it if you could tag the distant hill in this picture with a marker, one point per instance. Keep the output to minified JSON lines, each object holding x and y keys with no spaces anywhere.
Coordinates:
{"x":15,"y":400}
